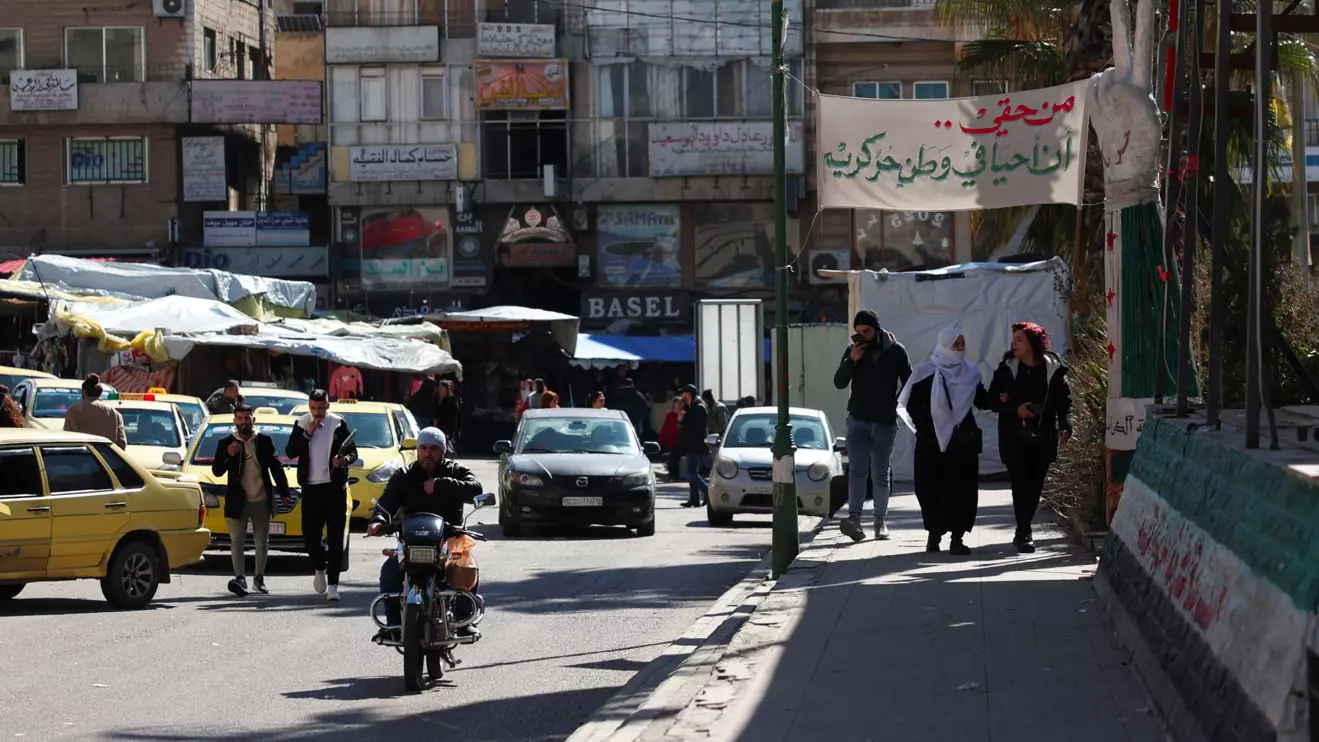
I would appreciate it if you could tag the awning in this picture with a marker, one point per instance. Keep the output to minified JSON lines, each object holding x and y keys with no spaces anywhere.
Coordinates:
{"x":615,"y":350}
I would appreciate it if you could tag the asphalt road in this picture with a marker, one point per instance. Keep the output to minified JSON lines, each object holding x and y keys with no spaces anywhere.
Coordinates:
{"x":571,"y":617}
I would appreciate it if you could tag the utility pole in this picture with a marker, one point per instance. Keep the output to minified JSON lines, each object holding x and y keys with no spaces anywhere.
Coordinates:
{"x":785,"y":465}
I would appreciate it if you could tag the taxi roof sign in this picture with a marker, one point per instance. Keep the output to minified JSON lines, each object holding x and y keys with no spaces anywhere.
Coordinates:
{"x":157,"y":390}
{"x":345,"y":401}
{"x":138,"y":397}
{"x":265,"y":411}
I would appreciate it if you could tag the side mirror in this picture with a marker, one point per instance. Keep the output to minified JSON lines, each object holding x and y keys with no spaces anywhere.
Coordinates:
{"x":840,"y":445}
{"x":650,"y":448}
{"x":409,"y":444}
{"x":171,"y":458}
{"x":503,"y":446}
{"x":484,"y":500}
{"x":712,"y":439}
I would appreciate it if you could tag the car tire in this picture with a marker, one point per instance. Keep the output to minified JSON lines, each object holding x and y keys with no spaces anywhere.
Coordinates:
{"x":8,"y":592}
{"x":646,"y":529}
{"x":717,"y":519}
{"x":132,"y":577}
{"x":511,"y":528}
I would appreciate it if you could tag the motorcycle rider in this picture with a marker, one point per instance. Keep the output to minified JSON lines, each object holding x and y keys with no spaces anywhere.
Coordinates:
{"x":431,"y":485}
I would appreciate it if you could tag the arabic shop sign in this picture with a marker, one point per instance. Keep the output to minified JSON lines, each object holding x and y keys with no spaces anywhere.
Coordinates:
{"x":407,"y":162}
{"x":272,"y":262}
{"x":255,"y":228}
{"x":678,"y":150}
{"x":406,"y":272}
{"x":661,"y":306}
{"x":515,"y":39}
{"x":43,"y":90}
{"x":954,"y":155}
{"x":521,"y":84}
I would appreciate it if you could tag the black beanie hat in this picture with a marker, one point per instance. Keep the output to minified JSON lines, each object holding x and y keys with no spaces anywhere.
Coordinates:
{"x":866,"y":317}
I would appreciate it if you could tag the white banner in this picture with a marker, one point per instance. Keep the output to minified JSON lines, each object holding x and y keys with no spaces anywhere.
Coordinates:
{"x":742,"y":148}
{"x":203,"y":169}
{"x":956,"y":154}
{"x":43,"y":90}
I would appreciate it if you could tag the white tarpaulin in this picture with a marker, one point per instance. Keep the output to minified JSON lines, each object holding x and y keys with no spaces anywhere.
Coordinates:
{"x":954,"y":154}
{"x":142,"y":281}
{"x":563,"y":327}
{"x":174,"y":315}
{"x":381,"y":354}
{"x":984,"y":299}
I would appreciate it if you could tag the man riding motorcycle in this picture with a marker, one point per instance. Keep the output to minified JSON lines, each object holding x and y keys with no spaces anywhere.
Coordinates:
{"x":431,"y":485}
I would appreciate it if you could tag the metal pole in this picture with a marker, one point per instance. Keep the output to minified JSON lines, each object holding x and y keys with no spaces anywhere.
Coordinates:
{"x":1264,"y":44}
{"x":785,"y":466}
{"x":1172,"y":183}
{"x":1191,"y":190}
{"x":1222,"y":77}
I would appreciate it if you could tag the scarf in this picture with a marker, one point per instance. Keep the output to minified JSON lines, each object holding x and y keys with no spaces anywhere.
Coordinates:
{"x":953,"y":390}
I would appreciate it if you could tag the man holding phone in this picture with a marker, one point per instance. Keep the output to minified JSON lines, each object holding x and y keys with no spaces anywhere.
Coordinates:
{"x":247,"y":458}
{"x":323,"y":447}
{"x":876,"y":366}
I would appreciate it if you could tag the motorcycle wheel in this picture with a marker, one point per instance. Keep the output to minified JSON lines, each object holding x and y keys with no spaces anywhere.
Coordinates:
{"x":435,"y":667}
{"x":412,"y":631}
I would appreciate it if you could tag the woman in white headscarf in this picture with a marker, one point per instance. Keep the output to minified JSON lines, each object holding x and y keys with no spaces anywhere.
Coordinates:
{"x":936,"y":404}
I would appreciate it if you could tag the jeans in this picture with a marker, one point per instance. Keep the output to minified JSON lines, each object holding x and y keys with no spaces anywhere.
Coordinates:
{"x":699,"y":489}
{"x":869,"y":448}
{"x":258,"y":513}
{"x":391,"y":583}
{"x":1026,"y":472}
{"x":324,"y":508}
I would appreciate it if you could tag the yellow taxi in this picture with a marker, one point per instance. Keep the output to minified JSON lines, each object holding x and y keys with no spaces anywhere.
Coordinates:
{"x":192,"y":408}
{"x":73,"y":507}
{"x":265,"y":394}
{"x":152,"y":429}
{"x":385,"y":434}
{"x":44,"y":402}
{"x":10,"y":376}
{"x":286,"y":526}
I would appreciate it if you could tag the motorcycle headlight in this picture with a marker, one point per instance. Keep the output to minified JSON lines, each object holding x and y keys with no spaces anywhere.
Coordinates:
{"x":527,"y":480}
{"x":818,"y":471}
{"x":725,"y":467}
{"x":640,"y":479}
{"x":383,"y":472}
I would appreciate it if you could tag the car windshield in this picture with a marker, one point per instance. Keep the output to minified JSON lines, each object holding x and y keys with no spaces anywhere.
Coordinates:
{"x":284,"y":405}
{"x":204,"y":452}
{"x":55,"y":402}
{"x":372,"y":430}
{"x":757,"y":431}
{"x":151,"y":428}
{"x":577,"y":435}
{"x":12,"y":380}
{"x":193,"y":414}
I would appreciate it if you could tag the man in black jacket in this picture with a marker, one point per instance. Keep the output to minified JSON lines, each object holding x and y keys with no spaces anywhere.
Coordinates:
{"x":876,"y":366}
{"x":247,"y":459}
{"x":691,"y":442}
{"x":628,"y":399}
{"x":433,"y":484}
{"x":320,"y":444}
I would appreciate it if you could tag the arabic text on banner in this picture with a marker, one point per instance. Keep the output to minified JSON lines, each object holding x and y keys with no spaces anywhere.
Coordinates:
{"x":43,"y":90}
{"x":957,"y":154}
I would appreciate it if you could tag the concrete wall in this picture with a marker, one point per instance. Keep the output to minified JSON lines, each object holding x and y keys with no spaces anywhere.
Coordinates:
{"x":299,"y":56}
{"x":1211,"y":572}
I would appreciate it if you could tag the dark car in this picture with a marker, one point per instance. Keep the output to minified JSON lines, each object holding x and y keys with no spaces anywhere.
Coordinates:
{"x":576,"y":467}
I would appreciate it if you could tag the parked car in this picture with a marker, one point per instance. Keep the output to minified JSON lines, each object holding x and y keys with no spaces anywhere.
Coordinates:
{"x":45,"y":401}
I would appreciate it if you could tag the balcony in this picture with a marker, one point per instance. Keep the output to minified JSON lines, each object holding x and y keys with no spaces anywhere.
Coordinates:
{"x":880,"y":21}
{"x":457,"y":17}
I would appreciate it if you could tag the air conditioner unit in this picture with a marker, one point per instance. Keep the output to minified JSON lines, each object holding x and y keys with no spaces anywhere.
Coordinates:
{"x":170,"y":8}
{"x":829,"y":260}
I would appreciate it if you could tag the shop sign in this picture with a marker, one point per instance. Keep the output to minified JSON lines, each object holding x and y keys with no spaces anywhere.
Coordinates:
{"x":662,"y":306}
{"x":637,"y":245}
{"x":521,"y":84}
{"x":534,"y":237}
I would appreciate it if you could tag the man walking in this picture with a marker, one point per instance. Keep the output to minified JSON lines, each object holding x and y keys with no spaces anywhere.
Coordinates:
{"x":92,"y":416}
{"x":718,"y":423}
{"x":226,"y":400}
{"x":320,"y":444}
{"x":691,"y":442}
{"x":632,"y":403}
{"x":247,"y":459}
{"x":876,"y":366}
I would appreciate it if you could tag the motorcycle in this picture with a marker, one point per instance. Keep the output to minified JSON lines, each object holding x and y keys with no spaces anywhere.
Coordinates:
{"x":430,"y":552}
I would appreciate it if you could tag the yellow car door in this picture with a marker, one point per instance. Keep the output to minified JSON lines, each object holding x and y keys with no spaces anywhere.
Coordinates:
{"x":25,"y":522}
{"x":87,"y":512}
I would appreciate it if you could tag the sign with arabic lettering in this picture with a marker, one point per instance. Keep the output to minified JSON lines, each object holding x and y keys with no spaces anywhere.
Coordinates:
{"x":405,"y":248}
{"x":382,"y":44}
{"x":406,"y":162}
{"x":43,"y":90}
{"x":638,"y":244}
{"x":255,"y":102}
{"x":521,"y":84}
{"x":255,"y":228}
{"x":959,"y":154}
{"x":204,"y":176}
{"x":273,"y":262}
{"x":678,"y":150}
{"x":515,"y":39}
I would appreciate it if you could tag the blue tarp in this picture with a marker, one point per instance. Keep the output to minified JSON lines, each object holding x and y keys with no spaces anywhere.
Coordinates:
{"x":639,"y":349}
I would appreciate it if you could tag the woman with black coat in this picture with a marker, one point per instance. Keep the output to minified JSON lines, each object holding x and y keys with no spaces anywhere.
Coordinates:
{"x":1034,"y":402}
{"x":936,"y":404}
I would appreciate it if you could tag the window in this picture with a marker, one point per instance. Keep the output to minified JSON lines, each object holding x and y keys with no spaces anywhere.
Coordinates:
{"x":929,"y":90}
{"x":373,"y":430}
{"x":128,"y":477}
{"x":106,"y":54}
{"x":74,"y":469}
{"x":204,"y":452}
{"x":903,"y":240}
{"x":239,"y":61}
{"x":19,"y":474}
{"x":210,"y":53}
{"x":698,"y":93}
{"x":405,"y":424}
{"x":308,"y":8}
{"x":989,"y":87}
{"x":107,"y":160}
{"x":434,"y":93}
{"x":254,"y":63}
{"x":55,"y":402}
{"x":13,"y":169}
{"x":152,"y":428}
{"x":11,"y":50}
{"x":519,"y":143}
{"x":757,"y":431}
{"x":373,"y":89}
{"x":737,"y":90}
{"x":877,"y":90}
{"x":577,"y":435}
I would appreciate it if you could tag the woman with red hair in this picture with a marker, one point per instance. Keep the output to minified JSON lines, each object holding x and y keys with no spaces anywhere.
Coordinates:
{"x":1034,"y":405}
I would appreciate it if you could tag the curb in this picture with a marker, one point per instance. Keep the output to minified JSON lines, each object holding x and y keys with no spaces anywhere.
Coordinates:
{"x":666,"y":685}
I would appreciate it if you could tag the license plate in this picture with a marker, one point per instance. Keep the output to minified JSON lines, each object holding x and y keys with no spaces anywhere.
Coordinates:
{"x":583,"y":502}
{"x":276,"y":529}
{"x":422,"y":554}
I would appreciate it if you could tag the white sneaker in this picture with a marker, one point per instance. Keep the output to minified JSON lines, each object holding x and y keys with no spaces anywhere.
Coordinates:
{"x":332,"y":593}
{"x":318,"y":582}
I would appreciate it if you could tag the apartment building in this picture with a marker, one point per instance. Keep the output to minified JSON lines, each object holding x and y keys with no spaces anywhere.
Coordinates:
{"x":102,"y":99}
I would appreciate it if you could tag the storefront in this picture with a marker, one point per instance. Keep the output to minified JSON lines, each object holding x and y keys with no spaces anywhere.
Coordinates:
{"x":535,"y":258}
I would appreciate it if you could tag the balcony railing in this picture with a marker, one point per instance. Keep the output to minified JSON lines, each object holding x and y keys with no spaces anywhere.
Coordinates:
{"x":863,"y":4}
{"x":116,"y":73}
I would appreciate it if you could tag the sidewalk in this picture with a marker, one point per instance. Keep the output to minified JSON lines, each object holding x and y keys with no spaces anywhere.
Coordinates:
{"x":882,"y":641}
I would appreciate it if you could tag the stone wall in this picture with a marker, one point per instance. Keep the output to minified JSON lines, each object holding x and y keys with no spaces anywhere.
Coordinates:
{"x":1211,"y":573}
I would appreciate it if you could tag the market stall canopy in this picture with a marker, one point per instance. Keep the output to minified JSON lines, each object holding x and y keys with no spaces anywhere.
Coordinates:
{"x":597,"y":351}
{"x":424,"y":331}
{"x":380,"y":354}
{"x":141,"y":281}
{"x":563,"y":327}
{"x":177,"y":315}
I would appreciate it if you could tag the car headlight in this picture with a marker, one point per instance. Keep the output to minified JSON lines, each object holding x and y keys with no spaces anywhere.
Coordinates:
{"x":639,"y":479}
{"x":527,"y":480}
{"x":386,"y":470}
{"x":818,"y":471}
{"x":725,"y":467}
{"x":211,"y":494}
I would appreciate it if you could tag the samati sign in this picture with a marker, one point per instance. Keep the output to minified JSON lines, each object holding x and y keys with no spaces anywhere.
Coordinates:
{"x":654,"y":306}
{"x":514,"y":40}
{"x":43,"y":90}
{"x":678,"y":150}
{"x":408,"y":162}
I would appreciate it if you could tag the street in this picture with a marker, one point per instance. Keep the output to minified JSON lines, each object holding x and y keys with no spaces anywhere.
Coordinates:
{"x":572,"y":615}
